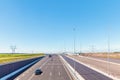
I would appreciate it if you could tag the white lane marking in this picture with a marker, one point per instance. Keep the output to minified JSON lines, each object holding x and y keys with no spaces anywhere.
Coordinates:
{"x":26,"y":72}
{"x":50,"y":74}
{"x":44,"y":64}
{"x":39,"y":67}
{"x":17,"y":71}
{"x":100,"y":60}
{"x":72,"y":71}
{"x":17,"y":78}
{"x":95,"y":69}
{"x":59,"y":73}
{"x":63,"y":64}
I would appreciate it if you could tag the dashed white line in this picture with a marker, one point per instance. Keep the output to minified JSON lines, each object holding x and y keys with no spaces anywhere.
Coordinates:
{"x":59,"y":74}
{"x":39,"y":67}
{"x":50,"y":73}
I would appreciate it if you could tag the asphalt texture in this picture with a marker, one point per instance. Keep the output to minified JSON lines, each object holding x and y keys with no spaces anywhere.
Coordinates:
{"x":53,"y":69}
{"x":110,"y":59}
{"x":104,"y":66}
{"x":86,"y":72}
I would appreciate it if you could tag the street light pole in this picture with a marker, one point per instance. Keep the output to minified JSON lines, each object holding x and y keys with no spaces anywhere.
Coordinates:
{"x":64,"y":47}
{"x":74,"y":40}
{"x":74,"y":36}
{"x":108,"y":56}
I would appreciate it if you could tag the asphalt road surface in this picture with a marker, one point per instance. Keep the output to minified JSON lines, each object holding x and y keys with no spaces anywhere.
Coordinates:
{"x":109,"y":68}
{"x":86,"y":72}
{"x":53,"y":69}
{"x":105,"y":59}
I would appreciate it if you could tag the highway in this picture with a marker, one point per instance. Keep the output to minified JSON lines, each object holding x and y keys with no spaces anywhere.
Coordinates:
{"x":9,"y":68}
{"x":53,"y":69}
{"x":86,"y":72}
{"x":113,"y":69}
{"x":105,"y":59}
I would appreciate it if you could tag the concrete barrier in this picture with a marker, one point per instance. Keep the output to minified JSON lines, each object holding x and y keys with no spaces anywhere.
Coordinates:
{"x":74,"y":73}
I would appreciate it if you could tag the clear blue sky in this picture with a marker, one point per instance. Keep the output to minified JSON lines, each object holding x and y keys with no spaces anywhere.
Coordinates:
{"x":47,"y":25}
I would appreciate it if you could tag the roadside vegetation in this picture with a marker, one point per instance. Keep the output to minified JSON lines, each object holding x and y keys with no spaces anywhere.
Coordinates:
{"x":115,"y":55}
{"x":7,"y":57}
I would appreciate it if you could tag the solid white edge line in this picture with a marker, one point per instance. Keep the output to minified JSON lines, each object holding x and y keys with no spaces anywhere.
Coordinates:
{"x":110,"y":76}
{"x":74,"y":73}
{"x":66,"y":69}
{"x":17,"y":78}
{"x":17,"y":71}
{"x":100,"y":60}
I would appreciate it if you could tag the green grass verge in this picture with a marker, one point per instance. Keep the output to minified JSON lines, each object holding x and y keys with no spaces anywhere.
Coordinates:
{"x":6,"y":58}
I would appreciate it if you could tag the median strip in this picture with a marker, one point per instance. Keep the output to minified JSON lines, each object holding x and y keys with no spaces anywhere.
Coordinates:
{"x":72,"y":71}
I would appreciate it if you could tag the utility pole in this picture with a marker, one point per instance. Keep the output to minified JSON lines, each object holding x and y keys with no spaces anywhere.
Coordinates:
{"x":93,"y":48}
{"x":80,"y":48}
{"x":13,"y":48}
{"x":64,"y":47}
{"x":108,"y":56}
{"x":74,"y":41}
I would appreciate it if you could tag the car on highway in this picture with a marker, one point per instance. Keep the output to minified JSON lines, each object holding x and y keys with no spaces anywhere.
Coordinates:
{"x":50,"y":55}
{"x":38,"y":71}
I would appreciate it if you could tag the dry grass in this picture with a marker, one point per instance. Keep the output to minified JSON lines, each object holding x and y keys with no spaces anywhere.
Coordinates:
{"x":103,"y":55}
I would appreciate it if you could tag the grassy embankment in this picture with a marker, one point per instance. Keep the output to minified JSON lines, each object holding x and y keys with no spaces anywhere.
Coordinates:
{"x":6,"y":58}
{"x":103,"y":55}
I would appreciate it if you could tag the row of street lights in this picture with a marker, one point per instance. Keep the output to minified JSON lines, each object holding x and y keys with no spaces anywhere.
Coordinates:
{"x":108,"y":43}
